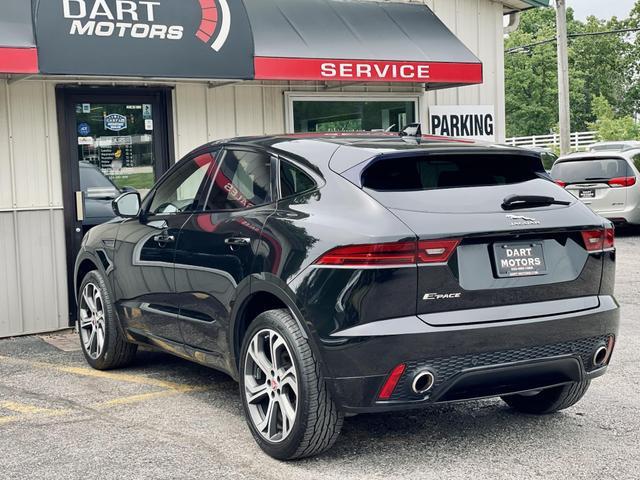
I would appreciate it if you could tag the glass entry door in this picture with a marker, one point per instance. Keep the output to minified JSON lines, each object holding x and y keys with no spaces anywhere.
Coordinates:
{"x":112,"y":140}
{"x":116,"y":139}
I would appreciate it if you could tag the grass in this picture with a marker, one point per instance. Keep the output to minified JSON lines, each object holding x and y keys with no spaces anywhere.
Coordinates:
{"x":139,"y":181}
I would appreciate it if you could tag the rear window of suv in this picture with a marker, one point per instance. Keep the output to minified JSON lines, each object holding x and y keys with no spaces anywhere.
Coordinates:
{"x":590,"y":170}
{"x":435,"y":172}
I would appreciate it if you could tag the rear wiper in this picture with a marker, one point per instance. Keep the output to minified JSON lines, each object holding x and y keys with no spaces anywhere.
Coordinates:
{"x":594,"y":179}
{"x":514,"y":202}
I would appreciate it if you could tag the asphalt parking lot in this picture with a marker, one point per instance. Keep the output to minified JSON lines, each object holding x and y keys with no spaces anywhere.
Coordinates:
{"x":167,"y":418}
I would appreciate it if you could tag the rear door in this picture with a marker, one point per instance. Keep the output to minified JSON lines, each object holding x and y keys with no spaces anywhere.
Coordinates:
{"x":602,"y":183}
{"x":475,"y":253}
{"x":217,"y":247}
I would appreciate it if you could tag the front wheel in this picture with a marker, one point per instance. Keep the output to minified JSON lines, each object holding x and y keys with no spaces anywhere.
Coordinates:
{"x":286,"y":401}
{"x":103,"y":344}
{"x":550,"y":400}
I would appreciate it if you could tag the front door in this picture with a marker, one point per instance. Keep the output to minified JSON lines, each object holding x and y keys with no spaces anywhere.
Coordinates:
{"x":112,"y":140}
{"x":217,"y":247}
{"x":144,"y":280}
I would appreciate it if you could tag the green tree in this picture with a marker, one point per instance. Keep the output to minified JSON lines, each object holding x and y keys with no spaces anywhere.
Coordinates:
{"x":599,"y":66}
{"x":611,"y":127}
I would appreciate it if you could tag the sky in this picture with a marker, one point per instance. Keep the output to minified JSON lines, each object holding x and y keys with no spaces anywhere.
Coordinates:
{"x":601,"y":8}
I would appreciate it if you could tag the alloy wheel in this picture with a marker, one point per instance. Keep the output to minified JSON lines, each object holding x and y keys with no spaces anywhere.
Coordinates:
{"x":271,"y":385}
{"x":92,"y":321}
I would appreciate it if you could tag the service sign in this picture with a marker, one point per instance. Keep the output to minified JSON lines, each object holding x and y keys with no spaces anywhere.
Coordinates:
{"x":149,"y":38}
{"x":477,"y":122}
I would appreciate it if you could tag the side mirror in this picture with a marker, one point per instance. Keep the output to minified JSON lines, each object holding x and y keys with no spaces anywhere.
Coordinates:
{"x":127,"y":205}
{"x":128,"y":190}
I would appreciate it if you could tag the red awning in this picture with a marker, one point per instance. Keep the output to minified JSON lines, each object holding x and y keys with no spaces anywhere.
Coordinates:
{"x":350,"y":41}
{"x":18,"y":60}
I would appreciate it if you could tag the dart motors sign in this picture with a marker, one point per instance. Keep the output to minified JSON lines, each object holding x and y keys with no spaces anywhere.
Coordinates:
{"x":150,"y":38}
{"x":477,"y":122}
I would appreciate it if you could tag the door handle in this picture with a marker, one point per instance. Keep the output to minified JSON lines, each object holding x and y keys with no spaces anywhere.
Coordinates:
{"x":164,"y":238}
{"x":79,"y":206}
{"x":238,"y":241}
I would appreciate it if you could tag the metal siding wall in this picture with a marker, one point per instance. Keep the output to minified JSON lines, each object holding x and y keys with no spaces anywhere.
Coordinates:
{"x":206,"y":114}
{"x":478,"y":23}
{"x":33,"y":289}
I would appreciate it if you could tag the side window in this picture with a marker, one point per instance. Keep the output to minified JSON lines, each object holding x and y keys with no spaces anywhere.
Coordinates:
{"x":180,"y":191}
{"x":242,"y":181}
{"x":636,"y":161}
{"x":293,"y":180}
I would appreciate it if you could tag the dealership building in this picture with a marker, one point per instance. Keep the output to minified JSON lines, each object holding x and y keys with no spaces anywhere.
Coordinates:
{"x":101,"y":91}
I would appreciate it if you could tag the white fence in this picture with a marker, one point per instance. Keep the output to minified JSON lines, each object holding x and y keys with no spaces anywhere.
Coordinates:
{"x":579,"y":140}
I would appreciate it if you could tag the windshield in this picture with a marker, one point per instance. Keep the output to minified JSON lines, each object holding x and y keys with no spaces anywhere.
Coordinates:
{"x":588,"y":170}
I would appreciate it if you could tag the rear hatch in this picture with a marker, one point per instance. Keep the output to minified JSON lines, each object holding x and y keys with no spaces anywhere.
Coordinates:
{"x":479,"y":253}
{"x":599,"y":182}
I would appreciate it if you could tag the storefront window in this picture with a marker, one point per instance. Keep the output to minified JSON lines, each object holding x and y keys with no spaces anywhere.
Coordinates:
{"x":348,"y":115}
{"x":117,"y":139}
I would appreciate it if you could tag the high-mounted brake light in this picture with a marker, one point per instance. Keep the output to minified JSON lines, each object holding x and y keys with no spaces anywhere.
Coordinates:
{"x":391,"y":383}
{"x":390,"y":254}
{"x":622,"y":182}
{"x":598,"y":240}
{"x":561,"y":183}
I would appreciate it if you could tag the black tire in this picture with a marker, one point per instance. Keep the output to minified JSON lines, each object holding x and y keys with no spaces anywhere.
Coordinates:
{"x":117,"y":352}
{"x":318,"y":421}
{"x":549,"y":401}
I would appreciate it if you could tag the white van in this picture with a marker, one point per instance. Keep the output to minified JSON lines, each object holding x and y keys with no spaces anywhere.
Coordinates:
{"x":607,"y":181}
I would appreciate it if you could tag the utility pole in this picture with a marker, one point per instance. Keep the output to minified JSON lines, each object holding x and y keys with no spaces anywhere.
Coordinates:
{"x":564,"y":106}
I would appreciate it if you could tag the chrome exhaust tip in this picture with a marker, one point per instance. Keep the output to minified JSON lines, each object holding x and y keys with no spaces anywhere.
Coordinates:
{"x":600,"y":356}
{"x":423,"y":382}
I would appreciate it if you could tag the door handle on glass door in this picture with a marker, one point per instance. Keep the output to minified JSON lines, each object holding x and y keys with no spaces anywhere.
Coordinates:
{"x":237,"y":241}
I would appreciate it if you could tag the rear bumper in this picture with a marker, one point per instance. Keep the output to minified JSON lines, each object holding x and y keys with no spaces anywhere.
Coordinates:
{"x":468,"y":361}
{"x":631,"y":214}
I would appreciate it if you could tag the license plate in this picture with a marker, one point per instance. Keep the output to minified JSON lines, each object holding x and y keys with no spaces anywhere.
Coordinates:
{"x":520,"y":260}
{"x":588,"y":193}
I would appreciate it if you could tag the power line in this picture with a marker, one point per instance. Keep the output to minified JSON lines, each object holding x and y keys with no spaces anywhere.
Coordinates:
{"x":525,"y":48}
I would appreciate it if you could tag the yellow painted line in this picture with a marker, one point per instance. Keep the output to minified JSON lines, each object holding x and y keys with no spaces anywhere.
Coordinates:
{"x":27,"y":416}
{"x":29,"y":412}
{"x":123,"y":377}
{"x":143,"y":397}
{"x":89,"y":372}
{"x":24,"y":408}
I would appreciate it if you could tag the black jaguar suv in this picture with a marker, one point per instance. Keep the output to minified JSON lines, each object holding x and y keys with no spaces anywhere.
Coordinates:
{"x":342,"y":274}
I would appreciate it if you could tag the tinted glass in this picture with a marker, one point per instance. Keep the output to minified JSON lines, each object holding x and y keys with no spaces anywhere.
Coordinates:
{"x":451,"y":171}
{"x":293,"y":180}
{"x":350,"y":116}
{"x":95,"y":184}
{"x":117,"y":138}
{"x":589,"y":170}
{"x":180,"y":192}
{"x":242,"y":181}
{"x":548,"y":159}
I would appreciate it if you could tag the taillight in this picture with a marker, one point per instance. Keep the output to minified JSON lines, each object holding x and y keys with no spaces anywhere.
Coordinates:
{"x":609,"y":238}
{"x":391,"y":383}
{"x":598,"y":240}
{"x":400,"y":253}
{"x":622,"y":182}
{"x":436,"y":251}
{"x":386,"y":254}
{"x":561,"y":183}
